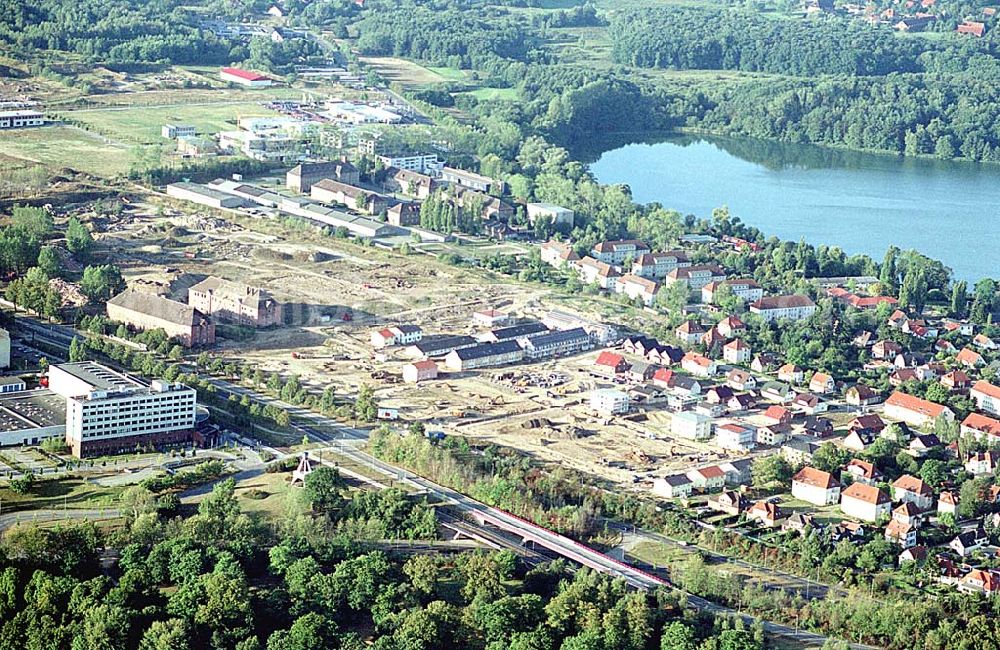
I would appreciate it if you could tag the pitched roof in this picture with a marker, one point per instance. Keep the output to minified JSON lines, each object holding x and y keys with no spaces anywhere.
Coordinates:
{"x":609,"y":359}
{"x":915,"y":404}
{"x":868,"y":470}
{"x":912,"y":484}
{"x":816,"y":478}
{"x":867,"y":493}
{"x":783,"y":302}
{"x":982,"y":423}
{"x":986,"y":388}
{"x":158,"y":307}
{"x":245,"y":74}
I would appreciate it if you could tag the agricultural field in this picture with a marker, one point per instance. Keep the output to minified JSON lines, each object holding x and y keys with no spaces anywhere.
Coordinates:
{"x":411,"y":74}
{"x":493,"y":94}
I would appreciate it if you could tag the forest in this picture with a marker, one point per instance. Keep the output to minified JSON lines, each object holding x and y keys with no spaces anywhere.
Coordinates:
{"x":222,"y":579}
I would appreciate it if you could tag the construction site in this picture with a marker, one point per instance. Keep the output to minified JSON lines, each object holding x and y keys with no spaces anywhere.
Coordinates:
{"x":336,"y":293}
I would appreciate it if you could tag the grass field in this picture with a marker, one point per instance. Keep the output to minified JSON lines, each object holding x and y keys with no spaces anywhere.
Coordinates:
{"x":71,"y":492}
{"x":450,"y":74}
{"x":407,"y":73}
{"x":142,"y":125}
{"x":57,"y":147}
{"x":493,"y":94}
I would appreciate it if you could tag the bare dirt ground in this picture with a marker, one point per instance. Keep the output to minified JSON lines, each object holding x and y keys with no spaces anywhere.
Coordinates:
{"x":321,"y":279}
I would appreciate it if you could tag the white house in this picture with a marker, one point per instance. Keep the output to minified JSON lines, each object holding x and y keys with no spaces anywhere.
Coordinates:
{"x":736,"y":352}
{"x":677,"y":486}
{"x":793,"y":307}
{"x":609,"y":401}
{"x":815,"y":486}
{"x":865,"y":502}
{"x":735,"y":436}
{"x":560,"y":216}
{"x":691,"y":425}
{"x":987,"y":397}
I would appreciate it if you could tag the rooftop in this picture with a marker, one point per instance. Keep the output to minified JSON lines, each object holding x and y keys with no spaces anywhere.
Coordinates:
{"x":31,"y":409}
{"x":99,"y":377}
{"x":157,"y":307}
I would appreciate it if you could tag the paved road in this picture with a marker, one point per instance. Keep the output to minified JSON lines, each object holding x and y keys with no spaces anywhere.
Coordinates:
{"x":346,"y":439}
{"x":38,"y":516}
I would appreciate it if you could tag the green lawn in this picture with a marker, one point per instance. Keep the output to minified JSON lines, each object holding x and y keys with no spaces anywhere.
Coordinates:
{"x":142,"y":125}
{"x":69,"y":492}
{"x":493,"y":94}
{"x":451,"y":74}
{"x":58,"y":147}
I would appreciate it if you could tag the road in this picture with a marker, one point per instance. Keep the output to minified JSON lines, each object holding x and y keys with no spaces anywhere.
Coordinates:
{"x":346,"y":440}
{"x":39,"y":516}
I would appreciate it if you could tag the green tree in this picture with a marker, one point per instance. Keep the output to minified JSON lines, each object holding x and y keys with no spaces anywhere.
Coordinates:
{"x":769,"y":470}
{"x":365,"y":407}
{"x":323,"y":489}
{"x":100,"y":283}
{"x":78,"y":238}
{"x":171,"y":634}
{"x":49,"y":262}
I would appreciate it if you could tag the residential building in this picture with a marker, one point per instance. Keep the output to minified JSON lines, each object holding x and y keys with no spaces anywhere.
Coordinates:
{"x":957,"y":381}
{"x":302,"y":177}
{"x":699,"y":365}
{"x":773,"y":435}
{"x":986,"y":396}
{"x":635,"y":287}
{"x":558,"y":254}
{"x":656,"y":266}
{"x":981,"y":463}
{"x":695,"y":277}
{"x":471,"y":180}
{"x":810,"y":404}
{"x":439,"y":346}
{"x":147,"y":311}
{"x":560,"y":216}
{"x":736,"y":437}
{"x":677,"y":486}
{"x":689,"y":332}
{"x":731,"y":326}
{"x":609,"y":401}
{"x":736,"y":352}
{"x":982,"y":427}
{"x":861,"y":395}
{"x":776,"y":415}
{"x":922,"y":444}
{"x":886,"y":349}
{"x":21,"y":119}
{"x":775,"y":391}
{"x":791,"y":374}
{"x":707,"y":478}
{"x":510,"y":332}
{"x":764,"y":362}
{"x":980,"y":581}
{"x":969,"y":541}
{"x":861,"y":471}
{"x":738,"y":472}
{"x":396,"y":335}
{"x":869,"y":425}
{"x":865,"y":502}
{"x":904,"y":535}
{"x":729,"y":502}
{"x":822,"y":384}
{"x":914,"y":410}
{"x":970,"y":358}
{"x":746,"y":290}
{"x":741,"y":403}
{"x":911,"y":489}
{"x":109,"y":412}
{"x":793,"y":307}
{"x":691,"y":426}
{"x":767,"y":514}
{"x":907,"y":513}
{"x":235,"y":302}
{"x":984,"y":342}
{"x":245,"y":78}
{"x":418,"y":371}
{"x":556,"y":344}
{"x":403,"y":215}
{"x":484,"y":355}
{"x":815,"y":486}
{"x":741,"y":380}
{"x":599,"y":273}
{"x":610,"y":364}
{"x":948,"y":504}
{"x":616,"y":252}
{"x":718,"y":394}
{"x":422,"y":163}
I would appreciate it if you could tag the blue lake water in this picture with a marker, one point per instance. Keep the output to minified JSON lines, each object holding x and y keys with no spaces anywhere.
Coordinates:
{"x":861,"y":202}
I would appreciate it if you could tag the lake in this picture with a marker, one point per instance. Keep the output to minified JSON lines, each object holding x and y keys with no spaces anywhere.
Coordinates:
{"x":863,"y":203}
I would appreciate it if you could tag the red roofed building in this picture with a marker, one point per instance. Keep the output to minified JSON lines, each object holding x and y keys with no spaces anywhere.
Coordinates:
{"x":980,"y":581}
{"x":972,"y":28}
{"x":987,"y":397}
{"x":865,"y":502}
{"x":793,"y":307}
{"x":245,"y":78}
{"x":969,"y":358}
{"x":777,"y":415}
{"x":419,"y":371}
{"x":609,"y":363}
{"x":956,"y":381}
{"x":815,"y":486}
{"x":914,"y":410}
{"x":981,"y":427}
